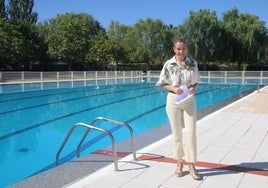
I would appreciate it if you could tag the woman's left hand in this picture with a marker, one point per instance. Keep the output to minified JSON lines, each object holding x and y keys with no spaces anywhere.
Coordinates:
{"x":191,"y":90}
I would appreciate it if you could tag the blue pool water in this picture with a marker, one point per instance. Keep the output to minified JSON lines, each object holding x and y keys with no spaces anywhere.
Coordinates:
{"x":35,"y":117}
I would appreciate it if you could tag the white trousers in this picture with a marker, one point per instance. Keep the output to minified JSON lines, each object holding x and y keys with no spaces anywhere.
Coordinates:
{"x":181,"y":116}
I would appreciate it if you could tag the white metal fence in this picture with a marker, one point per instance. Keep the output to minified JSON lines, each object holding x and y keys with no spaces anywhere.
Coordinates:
{"x":11,"y":77}
{"x":241,"y":77}
{"x":244,"y":77}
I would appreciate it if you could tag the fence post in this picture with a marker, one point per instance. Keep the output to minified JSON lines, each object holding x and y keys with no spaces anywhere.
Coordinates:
{"x":22,"y":75}
{"x":261,"y":77}
{"x":149,"y":73}
{"x":243,"y":77}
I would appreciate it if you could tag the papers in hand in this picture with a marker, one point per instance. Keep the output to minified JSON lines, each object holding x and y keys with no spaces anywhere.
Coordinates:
{"x":184,"y":96}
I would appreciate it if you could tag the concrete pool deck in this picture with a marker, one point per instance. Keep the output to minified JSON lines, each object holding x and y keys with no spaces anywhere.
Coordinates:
{"x":232,"y":152}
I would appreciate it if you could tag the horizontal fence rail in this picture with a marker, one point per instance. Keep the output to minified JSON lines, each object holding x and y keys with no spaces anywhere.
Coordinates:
{"x":244,"y":77}
{"x":228,"y":77}
{"x":7,"y":77}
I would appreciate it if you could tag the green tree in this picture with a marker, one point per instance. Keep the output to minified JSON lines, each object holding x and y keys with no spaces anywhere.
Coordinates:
{"x":148,"y":42}
{"x":98,"y":54}
{"x":19,"y":36}
{"x":21,"y":10}
{"x":247,"y":36}
{"x":104,"y":51}
{"x":19,"y":43}
{"x":70,"y":36}
{"x":2,"y":9}
{"x":118,"y":33}
{"x":200,"y":30}
{"x":10,"y":43}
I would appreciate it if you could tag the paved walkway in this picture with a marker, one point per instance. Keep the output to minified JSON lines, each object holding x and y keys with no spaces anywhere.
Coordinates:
{"x":232,"y":152}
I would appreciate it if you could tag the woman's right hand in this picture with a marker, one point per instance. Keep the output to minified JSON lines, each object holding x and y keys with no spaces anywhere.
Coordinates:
{"x":177,"y":90}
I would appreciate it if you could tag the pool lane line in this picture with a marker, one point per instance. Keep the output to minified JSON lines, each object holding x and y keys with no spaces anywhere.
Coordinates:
{"x":78,"y":98}
{"x":60,"y":91}
{"x":76,"y":90}
{"x":209,"y":165}
{"x":67,"y":100}
{"x":88,"y":109}
{"x":71,"y":114}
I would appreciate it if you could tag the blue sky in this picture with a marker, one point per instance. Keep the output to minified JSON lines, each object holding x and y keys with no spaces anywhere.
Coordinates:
{"x":128,"y":12}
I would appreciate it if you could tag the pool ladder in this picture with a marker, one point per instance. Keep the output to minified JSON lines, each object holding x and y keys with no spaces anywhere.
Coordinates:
{"x":91,"y":126}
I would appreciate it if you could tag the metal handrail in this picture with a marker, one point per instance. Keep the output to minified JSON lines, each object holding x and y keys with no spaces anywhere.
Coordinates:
{"x":114,"y":122}
{"x":88,"y":128}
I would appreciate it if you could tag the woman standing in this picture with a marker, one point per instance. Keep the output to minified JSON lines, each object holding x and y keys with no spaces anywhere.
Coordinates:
{"x":180,"y":74}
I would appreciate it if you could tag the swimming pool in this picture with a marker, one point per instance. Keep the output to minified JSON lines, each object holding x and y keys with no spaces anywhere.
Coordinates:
{"x":36,"y":117}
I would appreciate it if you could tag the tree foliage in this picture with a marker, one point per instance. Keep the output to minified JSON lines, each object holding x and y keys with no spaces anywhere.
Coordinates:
{"x":21,"y":10}
{"x":152,"y":43}
{"x":19,"y":37}
{"x":148,"y":41}
{"x":2,"y":9}
{"x":247,"y":36}
{"x":70,"y":36}
{"x":80,"y":41}
{"x":118,"y":34}
{"x":200,"y":30}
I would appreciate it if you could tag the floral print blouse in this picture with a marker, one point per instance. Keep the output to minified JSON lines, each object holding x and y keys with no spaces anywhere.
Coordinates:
{"x":174,"y":74}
